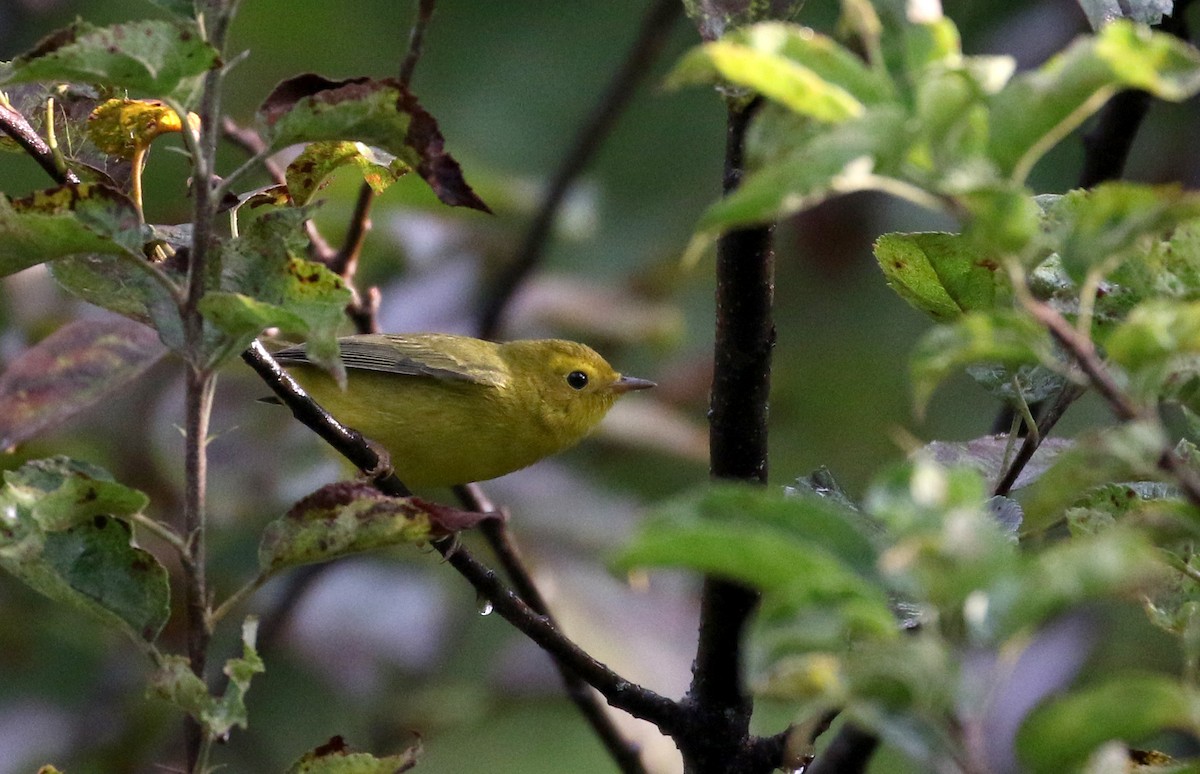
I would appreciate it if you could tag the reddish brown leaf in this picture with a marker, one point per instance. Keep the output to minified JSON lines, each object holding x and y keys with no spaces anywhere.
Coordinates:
{"x":69,"y":371}
{"x":382,"y":113}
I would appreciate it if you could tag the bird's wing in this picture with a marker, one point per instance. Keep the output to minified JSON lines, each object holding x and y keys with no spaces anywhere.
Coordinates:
{"x":439,"y":356}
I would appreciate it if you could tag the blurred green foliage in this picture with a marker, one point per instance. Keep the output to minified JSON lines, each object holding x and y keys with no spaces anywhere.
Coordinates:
{"x":389,"y":645}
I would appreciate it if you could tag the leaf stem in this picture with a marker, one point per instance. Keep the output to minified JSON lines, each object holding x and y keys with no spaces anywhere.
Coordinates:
{"x":235,"y":599}
{"x":164,"y":533}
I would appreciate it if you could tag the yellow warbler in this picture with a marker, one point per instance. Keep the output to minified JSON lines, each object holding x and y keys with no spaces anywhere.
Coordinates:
{"x":453,"y":409}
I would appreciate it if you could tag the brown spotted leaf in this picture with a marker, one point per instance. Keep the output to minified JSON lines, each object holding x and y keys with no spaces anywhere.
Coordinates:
{"x":65,"y":534}
{"x":68,"y":220}
{"x":265,"y":282}
{"x":151,"y":57}
{"x":350,"y":517}
{"x":122,"y":127}
{"x":336,"y":757}
{"x":70,"y":370}
{"x":382,"y":113}
{"x":309,"y":171}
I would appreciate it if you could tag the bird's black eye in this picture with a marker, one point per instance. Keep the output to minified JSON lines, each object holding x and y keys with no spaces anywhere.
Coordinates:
{"x":577,"y":379}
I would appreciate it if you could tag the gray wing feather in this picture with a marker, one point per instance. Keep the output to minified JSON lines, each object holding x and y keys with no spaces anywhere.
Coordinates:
{"x":399,"y":354}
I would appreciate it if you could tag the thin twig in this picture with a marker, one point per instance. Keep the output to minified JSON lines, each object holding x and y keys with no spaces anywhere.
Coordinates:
{"x":638,"y":701}
{"x":416,"y":42}
{"x":1106,"y":148}
{"x":495,"y":531}
{"x":651,"y":38}
{"x":1122,"y":405}
{"x":1046,"y":422}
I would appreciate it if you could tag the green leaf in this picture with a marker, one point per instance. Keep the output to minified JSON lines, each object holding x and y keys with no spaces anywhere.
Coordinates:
{"x":346,"y":518}
{"x":382,"y":113}
{"x":175,"y":682}
{"x":1131,"y":706}
{"x":807,"y":72}
{"x":1116,"y":561}
{"x":1129,"y":452}
{"x":951,"y":118}
{"x":1038,"y":109}
{"x":149,"y":57}
{"x":806,"y":553}
{"x":336,"y":757}
{"x":309,"y":171}
{"x":1155,"y":334}
{"x":853,"y":156}
{"x":947,"y":539}
{"x":117,"y":284}
{"x":1005,"y":338}
{"x":1099,"y":227}
{"x":935,"y":42}
{"x":59,"y":493}
{"x":69,"y":371}
{"x":939,"y":273}
{"x":266,"y":283}
{"x":794,"y":573}
{"x":1102,"y":506}
{"x":69,"y":220}
{"x":797,"y":513}
{"x":63,"y":536}
{"x":1023,"y":383}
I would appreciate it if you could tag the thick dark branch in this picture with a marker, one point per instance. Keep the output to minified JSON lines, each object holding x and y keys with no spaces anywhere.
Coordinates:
{"x":1106,"y":146}
{"x":745,"y":335}
{"x":620,"y":693}
{"x":19,"y":129}
{"x":650,"y":40}
{"x":848,"y":752}
{"x":624,"y":752}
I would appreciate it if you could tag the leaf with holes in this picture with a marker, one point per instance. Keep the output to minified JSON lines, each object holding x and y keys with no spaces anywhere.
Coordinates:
{"x":382,"y":113}
{"x":62,"y":532}
{"x":70,"y":220}
{"x":150,"y":57}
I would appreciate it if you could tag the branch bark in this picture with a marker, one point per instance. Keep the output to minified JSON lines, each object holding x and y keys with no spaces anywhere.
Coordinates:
{"x":745,"y":335}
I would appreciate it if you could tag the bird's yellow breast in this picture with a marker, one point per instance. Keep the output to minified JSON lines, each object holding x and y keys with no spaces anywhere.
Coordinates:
{"x":443,"y":432}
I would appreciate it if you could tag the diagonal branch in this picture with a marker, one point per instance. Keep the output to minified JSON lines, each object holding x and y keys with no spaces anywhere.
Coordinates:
{"x":16,"y":126}
{"x":651,"y":38}
{"x":495,"y":531}
{"x":1122,"y":405}
{"x":641,"y":702}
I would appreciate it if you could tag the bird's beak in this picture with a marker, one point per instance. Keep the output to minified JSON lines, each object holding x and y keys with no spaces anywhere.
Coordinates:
{"x":630,"y":383}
